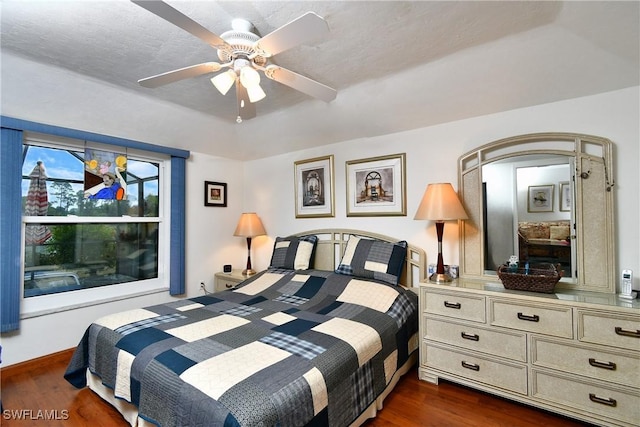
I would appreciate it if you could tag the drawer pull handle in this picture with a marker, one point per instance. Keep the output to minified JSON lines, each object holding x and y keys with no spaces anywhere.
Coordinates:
{"x":604,"y":365}
{"x":229,"y":285}
{"x":603,"y":401}
{"x":471,"y":366}
{"x":626,"y":333}
{"x":455,"y":305}
{"x":472,"y":337}
{"x":533,"y":318}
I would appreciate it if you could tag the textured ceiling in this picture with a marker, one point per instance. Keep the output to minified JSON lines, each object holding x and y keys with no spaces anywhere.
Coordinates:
{"x":396,"y":65}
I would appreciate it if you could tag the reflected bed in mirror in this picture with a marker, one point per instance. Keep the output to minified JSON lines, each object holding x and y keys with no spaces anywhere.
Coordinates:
{"x":545,"y":198}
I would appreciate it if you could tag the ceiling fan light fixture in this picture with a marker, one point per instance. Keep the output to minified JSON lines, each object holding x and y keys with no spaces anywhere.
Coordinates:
{"x":224,"y":81}
{"x":245,"y":52}
{"x":255,"y":93}
{"x":249,"y":77}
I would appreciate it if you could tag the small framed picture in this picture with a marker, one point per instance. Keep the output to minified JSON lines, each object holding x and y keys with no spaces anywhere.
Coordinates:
{"x":215,"y":194}
{"x":540,"y":198}
{"x":314,"y":187}
{"x":565,"y":197}
{"x":377,"y":186}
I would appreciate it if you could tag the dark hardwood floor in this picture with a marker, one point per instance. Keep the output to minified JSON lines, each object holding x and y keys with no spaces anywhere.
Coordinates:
{"x":38,"y":385}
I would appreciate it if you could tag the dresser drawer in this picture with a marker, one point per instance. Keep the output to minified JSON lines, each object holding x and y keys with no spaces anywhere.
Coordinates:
{"x":616,"y":330}
{"x":507,"y":376}
{"x":617,"y":402}
{"x":611,"y":365}
{"x":511,"y":345}
{"x":531,"y":317}
{"x":456,"y":305}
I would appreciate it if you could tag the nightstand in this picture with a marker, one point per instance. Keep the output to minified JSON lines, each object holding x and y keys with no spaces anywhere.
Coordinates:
{"x":227,"y":280}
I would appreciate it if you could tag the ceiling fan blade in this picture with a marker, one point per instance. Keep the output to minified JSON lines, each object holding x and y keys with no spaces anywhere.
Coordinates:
{"x":180,"y":74}
{"x":306,"y":28}
{"x":246,"y":109}
{"x":178,"y":19}
{"x":300,"y":83}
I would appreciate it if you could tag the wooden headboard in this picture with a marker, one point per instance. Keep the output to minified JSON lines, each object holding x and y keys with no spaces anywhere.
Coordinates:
{"x":332,"y":243}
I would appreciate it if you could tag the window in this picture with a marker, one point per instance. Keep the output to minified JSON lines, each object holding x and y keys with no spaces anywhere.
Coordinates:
{"x":73,"y":241}
{"x":171,"y":222}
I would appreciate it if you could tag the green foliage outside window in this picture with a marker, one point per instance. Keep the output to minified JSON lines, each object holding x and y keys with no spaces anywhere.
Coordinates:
{"x":87,"y":253}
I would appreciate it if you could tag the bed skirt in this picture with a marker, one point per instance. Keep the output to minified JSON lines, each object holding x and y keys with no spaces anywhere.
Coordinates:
{"x":130,"y":412}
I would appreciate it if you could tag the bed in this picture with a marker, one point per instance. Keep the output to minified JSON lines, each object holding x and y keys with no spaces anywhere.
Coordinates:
{"x":319,"y":338}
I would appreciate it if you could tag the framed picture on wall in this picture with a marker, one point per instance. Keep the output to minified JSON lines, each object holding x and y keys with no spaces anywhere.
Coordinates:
{"x":540,"y":198}
{"x":377,"y":186}
{"x":314,"y":187}
{"x":215,"y":194}
{"x":565,"y":196}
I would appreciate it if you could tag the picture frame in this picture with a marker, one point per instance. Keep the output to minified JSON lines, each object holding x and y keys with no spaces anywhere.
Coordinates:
{"x":215,"y":194}
{"x":314,"y":187}
{"x":540,"y":198}
{"x":566,"y":197}
{"x":376,"y":186}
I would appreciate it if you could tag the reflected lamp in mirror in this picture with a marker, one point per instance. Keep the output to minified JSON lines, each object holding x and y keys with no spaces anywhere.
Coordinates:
{"x":249,"y":226}
{"x":440,"y":203}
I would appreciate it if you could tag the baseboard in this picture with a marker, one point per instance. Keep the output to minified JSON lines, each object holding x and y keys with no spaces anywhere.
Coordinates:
{"x":29,"y":365}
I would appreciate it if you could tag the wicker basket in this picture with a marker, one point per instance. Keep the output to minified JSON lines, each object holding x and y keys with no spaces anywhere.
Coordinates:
{"x":539,"y":278}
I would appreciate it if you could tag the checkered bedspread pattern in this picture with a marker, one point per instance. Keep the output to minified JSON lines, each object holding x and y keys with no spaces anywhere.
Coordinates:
{"x":284,"y":348}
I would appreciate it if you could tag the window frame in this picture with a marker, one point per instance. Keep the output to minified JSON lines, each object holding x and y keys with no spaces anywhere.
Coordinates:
{"x":13,"y":130}
{"x":37,"y":305}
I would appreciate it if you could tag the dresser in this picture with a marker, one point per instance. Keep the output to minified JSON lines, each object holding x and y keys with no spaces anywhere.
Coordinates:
{"x":574,"y":353}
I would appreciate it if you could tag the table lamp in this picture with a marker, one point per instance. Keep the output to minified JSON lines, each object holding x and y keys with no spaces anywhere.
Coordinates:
{"x":440,"y":203}
{"x":249,"y":226}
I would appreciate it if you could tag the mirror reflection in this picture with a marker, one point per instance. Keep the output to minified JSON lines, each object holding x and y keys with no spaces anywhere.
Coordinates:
{"x":529,"y":211}
{"x":540,"y":196}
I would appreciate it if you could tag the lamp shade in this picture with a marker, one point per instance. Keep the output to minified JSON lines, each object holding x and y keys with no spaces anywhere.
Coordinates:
{"x":255,"y":93}
{"x":249,"y":77}
{"x":224,"y":81}
{"x":440,"y":203}
{"x":249,"y":225}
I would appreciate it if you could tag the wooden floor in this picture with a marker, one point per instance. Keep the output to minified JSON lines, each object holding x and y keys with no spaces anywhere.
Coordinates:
{"x":39,"y":385}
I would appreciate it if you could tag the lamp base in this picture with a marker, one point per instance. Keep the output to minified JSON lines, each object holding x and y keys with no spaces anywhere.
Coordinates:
{"x":248,"y":272}
{"x":440,"y":278}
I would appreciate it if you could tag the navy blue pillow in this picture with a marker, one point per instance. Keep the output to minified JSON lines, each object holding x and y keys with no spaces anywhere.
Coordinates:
{"x":373,"y":259}
{"x":293,"y":253}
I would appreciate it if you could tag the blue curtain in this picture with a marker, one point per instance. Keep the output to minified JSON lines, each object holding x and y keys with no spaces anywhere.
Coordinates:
{"x":11,"y":207}
{"x":10,"y":227}
{"x":177,"y":275}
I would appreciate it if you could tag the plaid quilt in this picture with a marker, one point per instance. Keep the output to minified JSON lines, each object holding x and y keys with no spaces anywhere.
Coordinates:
{"x":284,"y":348}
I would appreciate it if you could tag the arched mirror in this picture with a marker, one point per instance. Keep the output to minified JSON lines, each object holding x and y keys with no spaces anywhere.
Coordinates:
{"x":544,"y":197}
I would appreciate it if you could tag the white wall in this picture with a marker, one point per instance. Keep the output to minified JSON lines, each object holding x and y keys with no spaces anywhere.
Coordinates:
{"x":432,"y":155}
{"x":499,"y":205}
{"x":209,"y":242}
{"x":266,"y":186}
{"x":528,"y":176}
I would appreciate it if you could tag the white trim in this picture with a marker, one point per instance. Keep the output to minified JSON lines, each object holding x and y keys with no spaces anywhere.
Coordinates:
{"x":92,"y":303}
{"x":72,"y":219}
{"x":64,"y":143}
{"x":53,"y":303}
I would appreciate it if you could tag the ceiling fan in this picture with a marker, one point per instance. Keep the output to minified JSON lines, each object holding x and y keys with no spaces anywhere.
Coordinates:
{"x":243,"y":53}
